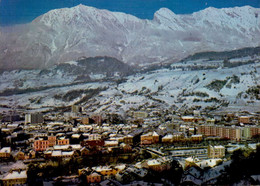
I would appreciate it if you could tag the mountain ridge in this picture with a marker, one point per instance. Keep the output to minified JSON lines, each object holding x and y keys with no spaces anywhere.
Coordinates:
{"x":66,"y":34}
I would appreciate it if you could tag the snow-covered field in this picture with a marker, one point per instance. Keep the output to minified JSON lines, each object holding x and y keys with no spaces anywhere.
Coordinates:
{"x":165,"y":88}
{"x":218,"y":88}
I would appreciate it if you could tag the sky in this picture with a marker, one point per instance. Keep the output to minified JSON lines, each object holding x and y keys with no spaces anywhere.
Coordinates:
{"x":24,"y":11}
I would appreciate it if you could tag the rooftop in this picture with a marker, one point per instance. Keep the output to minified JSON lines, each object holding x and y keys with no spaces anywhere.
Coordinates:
{"x":16,"y":175}
{"x":5,"y":150}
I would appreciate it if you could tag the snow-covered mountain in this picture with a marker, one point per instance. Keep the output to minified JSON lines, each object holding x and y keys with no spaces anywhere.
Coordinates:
{"x":214,"y":80}
{"x":67,"y":34}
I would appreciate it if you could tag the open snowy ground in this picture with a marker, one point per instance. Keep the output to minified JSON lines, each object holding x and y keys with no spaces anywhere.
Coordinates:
{"x":184,"y":89}
{"x":178,"y":87}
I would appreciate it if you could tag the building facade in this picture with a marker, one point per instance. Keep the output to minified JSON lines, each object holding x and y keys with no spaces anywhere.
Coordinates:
{"x":34,"y":118}
{"x":216,"y":151}
{"x":40,"y":145}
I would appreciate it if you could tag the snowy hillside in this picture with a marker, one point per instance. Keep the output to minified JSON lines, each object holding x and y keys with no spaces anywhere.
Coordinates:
{"x":184,"y":88}
{"x":67,"y":34}
{"x":201,"y":83}
{"x":68,"y":73}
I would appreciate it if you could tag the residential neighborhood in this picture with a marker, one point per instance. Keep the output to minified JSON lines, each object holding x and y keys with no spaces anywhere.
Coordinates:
{"x":91,"y":149}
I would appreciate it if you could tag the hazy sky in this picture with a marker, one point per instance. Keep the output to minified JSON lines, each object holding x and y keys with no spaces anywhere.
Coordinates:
{"x":22,"y":11}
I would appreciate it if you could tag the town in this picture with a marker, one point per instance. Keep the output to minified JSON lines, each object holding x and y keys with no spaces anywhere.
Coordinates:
{"x":142,"y":147}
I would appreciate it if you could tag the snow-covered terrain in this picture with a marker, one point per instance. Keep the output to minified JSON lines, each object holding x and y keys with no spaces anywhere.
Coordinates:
{"x":67,"y":34}
{"x":198,"y":84}
{"x":184,"y":89}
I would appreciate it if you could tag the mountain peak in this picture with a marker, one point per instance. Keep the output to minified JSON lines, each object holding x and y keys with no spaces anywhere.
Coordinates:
{"x":83,"y":15}
{"x":238,"y":10}
{"x":164,"y":13}
{"x":66,"y":15}
{"x":69,"y":33}
{"x":84,"y":8}
{"x":168,"y":19}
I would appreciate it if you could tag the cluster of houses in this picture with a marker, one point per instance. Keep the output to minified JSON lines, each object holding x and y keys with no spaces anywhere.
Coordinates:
{"x":81,"y":135}
{"x":130,"y":172}
{"x":35,"y":135}
{"x":13,"y":173}
{"x":125,"y":172}
{"x":15,"y":177}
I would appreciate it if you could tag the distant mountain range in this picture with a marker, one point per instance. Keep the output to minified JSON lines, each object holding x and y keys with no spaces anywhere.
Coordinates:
{"x":67,"y":34}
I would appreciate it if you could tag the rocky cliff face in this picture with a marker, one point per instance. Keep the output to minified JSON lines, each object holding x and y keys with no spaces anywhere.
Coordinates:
{"x":67,"y":34}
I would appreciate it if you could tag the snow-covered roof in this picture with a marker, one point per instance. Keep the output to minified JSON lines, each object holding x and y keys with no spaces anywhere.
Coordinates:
{"x":112,"y":135}
{"x":75,"y":135}
{"x":56,"y":153}
{"x":253,"y":145}
{"x":187,"y":117}
{"x":102,"y":168}
{"x":48,"y":152}
{"x":138,"y":165}
{"x":60,"y":147}
{"x":5,"y":130}
{"x":208,"y":163}
{"x":62,"y":138}
{"x":196,"y":135}
{"x":256,"y":177}
{"x":94,"y":174}
{"x":190,"y":178}
{"x":60,"y":153}
{"x":14,"y":125}
{"x":106,"y":128}
{"x":5,"y":150}
{"x":168,"y":136}
{"x":232,"y":149}
{"x":219,"y":147}
{"x":108,"y":143}
{"x":191,"y":159}
{"x":243,"y":117}
{"x":153,"y":162}
{"x":60,"y":134}
{"x":18,"y":165}
{"x":121,"y":167}
{"x":70,"y":153}
{"x":64,"y":147}
{"x":16,"y":175}
{"x":147,"y":134}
